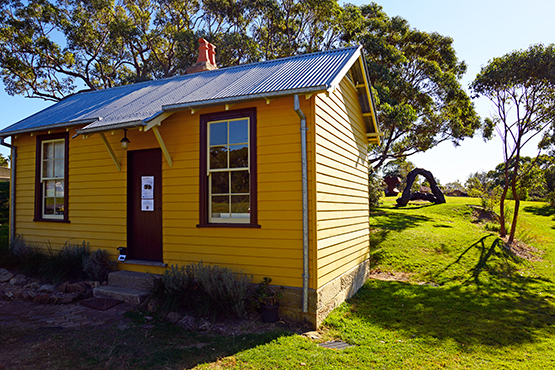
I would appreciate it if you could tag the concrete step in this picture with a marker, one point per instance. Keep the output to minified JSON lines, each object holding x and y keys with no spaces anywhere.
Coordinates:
{"x":129,"y":295}
{"x":131,"y":279}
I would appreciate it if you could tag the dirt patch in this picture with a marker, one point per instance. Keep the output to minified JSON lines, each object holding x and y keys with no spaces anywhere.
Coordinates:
{"x":523,"y":250}
{"x":378,"y":274}
{"x":482,"y":215}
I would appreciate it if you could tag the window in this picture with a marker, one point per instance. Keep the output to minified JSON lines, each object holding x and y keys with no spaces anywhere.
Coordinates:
{"x":228,"y":169}
{"x":51,"y":178}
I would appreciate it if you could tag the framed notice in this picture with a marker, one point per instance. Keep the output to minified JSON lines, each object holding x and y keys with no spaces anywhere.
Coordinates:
{"x":147,"y":205}
{"x":147,"y":188}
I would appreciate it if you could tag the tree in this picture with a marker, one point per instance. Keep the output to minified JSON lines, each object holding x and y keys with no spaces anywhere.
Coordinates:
{"x":481,"y":185}
{"x":4,"y":162}
{"x":417,"y":80}
{"x":531,"y":183}
{"x":400,"y":168}
{"x":52,"y":48}
{"x":454,"y":185}
{"x":521,"y":86}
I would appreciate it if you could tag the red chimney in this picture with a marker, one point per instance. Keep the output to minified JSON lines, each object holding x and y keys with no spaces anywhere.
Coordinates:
{"x":206,"y":58}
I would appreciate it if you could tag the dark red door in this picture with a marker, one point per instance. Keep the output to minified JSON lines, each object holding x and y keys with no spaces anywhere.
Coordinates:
{"x":144,"y":205}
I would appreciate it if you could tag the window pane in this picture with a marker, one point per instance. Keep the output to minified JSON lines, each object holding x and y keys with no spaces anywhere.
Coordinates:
{"x":218,"y":157}
{"x":238,"y":156}
{"x":59,"y":150}
{"x":240,"y":182}
{"x":48,"y":169}
{"x":59,"y":168}
{"x":48,"y":206}
{"x":49,"y":188}
{"x":48,"y":150}
{"x":220,"y":182}
{"x":59,"y":189}
{"x":59,"y":207}
{"x":218,"y":133}
{"x":220,"y":206}
{"x":240,"y":206}
{"x":239,"y":132}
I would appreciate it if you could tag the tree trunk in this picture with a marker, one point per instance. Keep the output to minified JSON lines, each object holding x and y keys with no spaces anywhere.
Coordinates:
{"x":502,"y":228}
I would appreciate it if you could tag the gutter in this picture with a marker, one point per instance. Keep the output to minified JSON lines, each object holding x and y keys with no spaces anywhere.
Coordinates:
{"x":12,"y":185}
{"x":304,"y":171}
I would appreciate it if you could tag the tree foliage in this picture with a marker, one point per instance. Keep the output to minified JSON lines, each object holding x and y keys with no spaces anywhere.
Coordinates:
{"x":49,"y":49}
{"x":401,"y":168}
{"x":521,"y":86}
{"x":52,"y":48}
{"x":416,"y":75}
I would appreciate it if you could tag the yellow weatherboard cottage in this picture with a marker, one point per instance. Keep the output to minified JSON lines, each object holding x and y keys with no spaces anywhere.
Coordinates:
{"x":261,"y":168}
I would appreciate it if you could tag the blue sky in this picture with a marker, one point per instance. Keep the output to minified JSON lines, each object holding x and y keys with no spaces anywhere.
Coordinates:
{"x":481,"y":31}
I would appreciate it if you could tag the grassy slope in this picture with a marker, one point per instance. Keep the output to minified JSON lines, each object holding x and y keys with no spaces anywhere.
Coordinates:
{"x":480,"y":308}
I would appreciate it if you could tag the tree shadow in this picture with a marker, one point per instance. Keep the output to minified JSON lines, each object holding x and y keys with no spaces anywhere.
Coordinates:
{"x":545,"y":210}
{"x":384,"y":223}
{"x":491,"y":304}
{"x":163,"y":345}
{"x":494,"y":259}
{"x":490,"y":315}
{"x":395,"y":221}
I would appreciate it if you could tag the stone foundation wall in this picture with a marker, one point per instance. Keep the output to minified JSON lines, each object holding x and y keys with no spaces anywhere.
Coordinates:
{"x":322,"y":301}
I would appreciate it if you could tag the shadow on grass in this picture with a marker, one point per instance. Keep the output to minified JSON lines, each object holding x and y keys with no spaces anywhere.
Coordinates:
{"x":490,"y":304}
{"x":396,"y":221}
{"x":493,"y":258}
{"x":385,"y":222}
{"x":545,"y":210}
{"x":161,"y":346}
{"x":488,"y":315}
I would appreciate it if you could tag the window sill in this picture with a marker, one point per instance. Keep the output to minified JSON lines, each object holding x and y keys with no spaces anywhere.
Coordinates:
{"x":51,"y":220}
{"x":222,"y":225}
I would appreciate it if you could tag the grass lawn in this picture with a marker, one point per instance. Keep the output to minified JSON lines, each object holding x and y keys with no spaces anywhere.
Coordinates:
{"x":468,"y":304}
{"x":465,"y":303}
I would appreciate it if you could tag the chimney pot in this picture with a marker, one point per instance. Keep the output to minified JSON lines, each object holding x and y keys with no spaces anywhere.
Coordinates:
{"x":206,"y":58}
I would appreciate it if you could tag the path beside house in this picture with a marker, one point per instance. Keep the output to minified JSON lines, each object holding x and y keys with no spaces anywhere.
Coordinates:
{"x":30,"y":315}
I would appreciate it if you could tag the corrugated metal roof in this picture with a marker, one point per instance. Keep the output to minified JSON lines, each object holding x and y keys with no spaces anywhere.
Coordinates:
{"x":134,"y":105}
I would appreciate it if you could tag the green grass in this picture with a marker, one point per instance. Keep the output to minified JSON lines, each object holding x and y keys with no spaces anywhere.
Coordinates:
{"x":469,"y":303}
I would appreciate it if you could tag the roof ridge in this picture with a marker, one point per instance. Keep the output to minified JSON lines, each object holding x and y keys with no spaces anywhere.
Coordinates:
{"x":270,"y":61}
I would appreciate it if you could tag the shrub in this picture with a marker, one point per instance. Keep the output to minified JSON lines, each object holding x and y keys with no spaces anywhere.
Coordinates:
{"x":266,"y":296}
{"x":97,"y":265}
{"x":489,"y":199}
{"x":375,"y":189}
{"x":56,"y":266}
{"x":67,"y":264}
{"x":204,"y":289}
{"x":176,"y":288}
{"x":226,"y":290}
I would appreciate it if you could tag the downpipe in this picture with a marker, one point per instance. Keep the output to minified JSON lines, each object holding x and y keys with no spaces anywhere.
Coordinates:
{"x":13,"y":160}
{"x":304,"y":171}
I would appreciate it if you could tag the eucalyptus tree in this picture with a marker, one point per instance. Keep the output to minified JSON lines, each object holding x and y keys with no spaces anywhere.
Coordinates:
{"x":417,"y":80}
{"x":52,"y":48}
{"x":521,"y":86}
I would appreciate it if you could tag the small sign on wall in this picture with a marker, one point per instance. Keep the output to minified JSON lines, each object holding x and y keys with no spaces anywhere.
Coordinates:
{"x":147,"y":205}
{"x":147,"y":193}
{"x":147,"y":187}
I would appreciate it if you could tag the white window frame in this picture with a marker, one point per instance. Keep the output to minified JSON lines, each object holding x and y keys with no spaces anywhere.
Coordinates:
{"x":43,"y":179}
{"x":209,"y":172}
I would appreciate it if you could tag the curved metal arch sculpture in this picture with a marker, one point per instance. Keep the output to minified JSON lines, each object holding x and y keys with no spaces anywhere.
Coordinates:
{"x":436,"y":196}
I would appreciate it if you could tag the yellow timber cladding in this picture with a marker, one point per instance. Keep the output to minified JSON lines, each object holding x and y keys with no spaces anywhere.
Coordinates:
{"x":97,"y":205}
{"x":338,"y":190}
{"x":341,"y":183}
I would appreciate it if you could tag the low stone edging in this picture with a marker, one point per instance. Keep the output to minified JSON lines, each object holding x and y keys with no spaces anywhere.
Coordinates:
{"x":22,"y":288}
